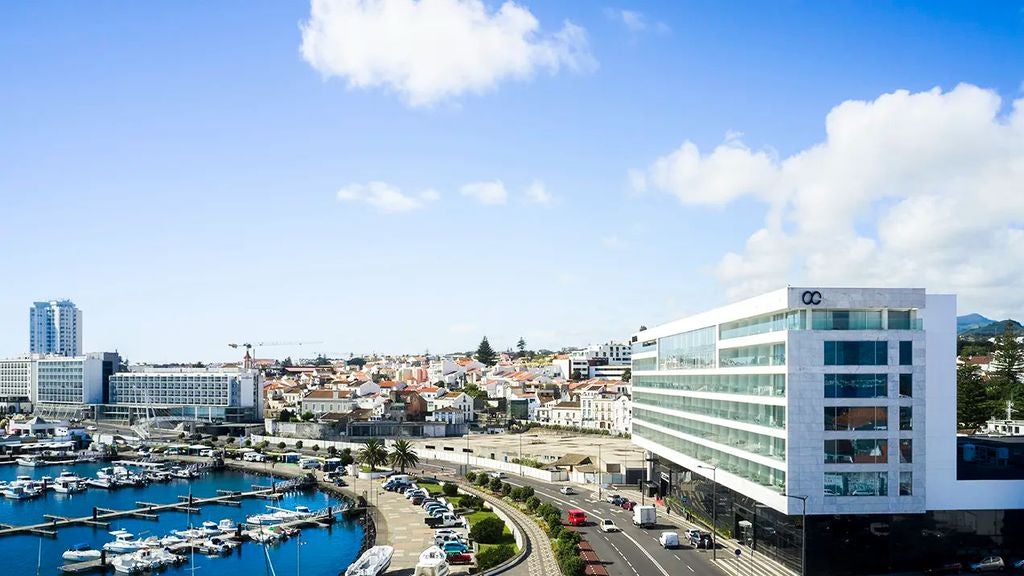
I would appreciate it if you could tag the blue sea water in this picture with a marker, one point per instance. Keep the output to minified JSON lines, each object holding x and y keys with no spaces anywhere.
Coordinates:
{"x":324,"y":552}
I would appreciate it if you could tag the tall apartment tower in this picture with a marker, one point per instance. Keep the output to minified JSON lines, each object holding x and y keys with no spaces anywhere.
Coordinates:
{"x":55,"y":327}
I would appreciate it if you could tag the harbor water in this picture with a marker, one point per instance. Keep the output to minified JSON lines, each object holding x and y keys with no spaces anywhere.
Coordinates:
{"x":323,"y":551}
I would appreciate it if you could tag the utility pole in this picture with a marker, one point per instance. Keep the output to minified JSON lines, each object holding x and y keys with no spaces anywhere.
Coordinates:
{"x":803,"y":531}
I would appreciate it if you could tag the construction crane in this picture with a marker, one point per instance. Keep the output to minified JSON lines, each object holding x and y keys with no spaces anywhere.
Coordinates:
{"x":252,"y":346}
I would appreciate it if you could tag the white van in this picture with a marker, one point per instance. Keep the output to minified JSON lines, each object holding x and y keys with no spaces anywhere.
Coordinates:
{"x":254,"y":457}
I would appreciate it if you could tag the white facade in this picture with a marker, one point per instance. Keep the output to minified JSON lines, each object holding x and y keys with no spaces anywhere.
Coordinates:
{"x":55,"y":327}
{"x":805,"y":391}
{"x":16,"y":381}
{"x":68,"y":380}
{"x":192,"y":387}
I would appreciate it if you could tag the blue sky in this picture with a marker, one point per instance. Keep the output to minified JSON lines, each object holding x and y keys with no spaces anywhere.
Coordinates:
{"x":174,"y":167}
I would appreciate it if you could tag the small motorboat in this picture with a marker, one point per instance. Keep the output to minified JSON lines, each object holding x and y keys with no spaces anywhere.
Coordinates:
{"x":63,"y":485}
{"x":172,"y":539}
{"x":21,"y":492}
{"x":80,"y":553}
{"x":210,"y":528}
{"x":214,"y":547}
{"x":32,"y":461}
{"x":227,"y":525}
{"x":104,"y":483}
{"x":124,"y":543}
{"x":190,"y":534}
{"x":130,"y":564}
{"x":373,"y":562}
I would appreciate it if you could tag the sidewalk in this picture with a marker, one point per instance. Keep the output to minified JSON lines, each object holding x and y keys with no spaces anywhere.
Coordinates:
{"x":746,"y":564}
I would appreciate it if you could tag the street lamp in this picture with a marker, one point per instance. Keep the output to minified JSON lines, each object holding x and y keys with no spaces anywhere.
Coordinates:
{"x":714,"y":509}
{"x":803,"y":531}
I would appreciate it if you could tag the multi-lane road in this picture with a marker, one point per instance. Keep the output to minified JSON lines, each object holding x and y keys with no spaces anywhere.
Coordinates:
{"x":631,"y":551}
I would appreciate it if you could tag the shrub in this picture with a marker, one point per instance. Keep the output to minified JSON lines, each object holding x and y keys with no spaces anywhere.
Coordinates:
{"x":482,"y":480}
{"x":298,"y":445}
{"x":506,"y":488}
{"x":532,"y":503}
{"x":449,"y":489}
{"x":569,"y":539}
{"x":487,"y":531}
{"x":332,"y":451}
{"x":472,"y":502}
{"x":495,"y":484}
{"x":281,"y":445}
{"x":571,"y":565}
{"x":494,"y":555}
{"x":471,"y":476}
{"x":316,"y":447}
{"x":546,"y":509}
{"x":528,"y":492}
{"x":554,"y":522}
{"x":517,"y":494}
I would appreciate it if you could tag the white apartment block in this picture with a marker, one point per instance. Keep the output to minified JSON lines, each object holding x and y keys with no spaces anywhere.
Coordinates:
{"x":215,"y":393}
{"x":16,"y":375}
{"x":69,"y":380}
{"x":55,"y":327}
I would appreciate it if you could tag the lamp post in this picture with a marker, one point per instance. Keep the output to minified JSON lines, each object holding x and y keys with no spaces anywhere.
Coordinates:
{"x":714,"y":509}
{"x":599,"y":471}
{"x":803,"y":531}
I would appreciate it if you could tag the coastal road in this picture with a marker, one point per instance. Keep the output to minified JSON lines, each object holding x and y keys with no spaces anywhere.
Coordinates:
{"x":632,"y":552}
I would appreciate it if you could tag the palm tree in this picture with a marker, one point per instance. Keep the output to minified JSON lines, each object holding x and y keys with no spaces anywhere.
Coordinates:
{"x":373,"y":454}
{"x":403,"y":455}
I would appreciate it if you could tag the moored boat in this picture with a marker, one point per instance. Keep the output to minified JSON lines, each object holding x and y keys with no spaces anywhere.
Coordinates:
{"x":373,"y":562}
{"x":32,"y":461}
{"x":433,"y":562}
{"x":80,"y":553}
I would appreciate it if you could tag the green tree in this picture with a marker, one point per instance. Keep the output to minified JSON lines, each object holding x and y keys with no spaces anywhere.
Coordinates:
{"x":316,"y":447}
{"x":287,"y":362}
{"x":474,"y":391}
{"x":1008,"y":364}
{"x":403,"y":455}
{"x":627,"y":375}
{"x":321,"y":360}
{"x":307,"y":416}
{"x":470,"y":476}
{"x":298,"y":445}
{"x":532,"y":503}
{"x":449,"y":489}
{"x":281,"y":445}
{"x":973,"y":405}
{"x":576,"y":375}
{"x":488,"y":530}
{"x":285,"y":415}
{"x":346,"y":457}
{"x":495,"y":484}
{"x":373,"y":453}
{"x":521,"y":346}
{"x":332,"y":451}
{"x":485,"y":354}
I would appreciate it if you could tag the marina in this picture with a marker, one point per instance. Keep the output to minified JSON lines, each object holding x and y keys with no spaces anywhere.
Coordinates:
{"x":210,"y":525}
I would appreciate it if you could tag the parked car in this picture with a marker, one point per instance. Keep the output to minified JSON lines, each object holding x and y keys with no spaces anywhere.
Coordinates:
{"x":417,"y":500}
{"x":454,"y":547}
{"x":442,"y":539}
{"x":628,"y":505}
{"x":464,"y":558}
{"x":669,"y":540}
{"x":988,"y":564}
{"x":615,"y":499}
{"x":577,"y":517}
{"x":692,"y":534}
{"x":607,"y":525}
{"x":567,"y":490}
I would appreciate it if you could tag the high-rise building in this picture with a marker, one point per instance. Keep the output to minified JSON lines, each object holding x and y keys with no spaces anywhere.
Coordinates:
{"x":231,"y":395}
{"x":836,"y":403}
{"x":55,"y":327}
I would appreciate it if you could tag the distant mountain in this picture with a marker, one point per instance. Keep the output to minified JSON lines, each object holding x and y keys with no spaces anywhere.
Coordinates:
{"x":971,"y":322}
{"x":991,"y":330}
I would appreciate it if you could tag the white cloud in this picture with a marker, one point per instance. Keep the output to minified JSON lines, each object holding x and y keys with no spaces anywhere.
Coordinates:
{"x":910,"y":189}
{"x":538,"y":194}
{"x":487,"y":192}
{"x":635,"y":21}
{"x":431,"y":50}
{"x":385,"y":197}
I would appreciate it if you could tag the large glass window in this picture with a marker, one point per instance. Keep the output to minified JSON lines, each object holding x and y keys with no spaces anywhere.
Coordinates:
{"x":689,"y":350}
{"x":645,"y":364}
{"x":758,"y":473}
{"x":759,"y":355}
{"x":906,"y":484}
{"x":856,"y":386}
{"x":846,"y":319}
{"x":906,"y":451}
{"x":747,"y":384}
{"x":860,"y":451}
{"x":899,"y":319}
{"x":906,"y":385}
{"x":772,"y":416}
{"x":791,"y":320}
{"x":856,"y":353}
{"x":906,"y":418}
{"x":764,"y":445}
{"x":849,"y":418}
{"x":906,"y":353}
{"x":856,"y":484}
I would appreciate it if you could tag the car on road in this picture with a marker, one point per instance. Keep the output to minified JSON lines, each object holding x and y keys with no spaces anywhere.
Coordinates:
{"x":989,"y":564}
{"x":607,"y":525}
{"x":498,"y":474}
{"x":91,"y":428}
{"x":614,"y":499}
{"x":669,"y":540}
{"x":628,"y":505}
{"x":567,"y":490}
{"x":577,"y":517}
{"x":692,"y":534}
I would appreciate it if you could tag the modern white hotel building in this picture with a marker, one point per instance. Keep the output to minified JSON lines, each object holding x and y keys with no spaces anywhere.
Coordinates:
{"x":842,"y":400}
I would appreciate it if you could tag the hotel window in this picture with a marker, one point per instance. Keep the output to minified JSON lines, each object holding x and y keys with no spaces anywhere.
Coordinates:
{"x":846,"y":320}
{"x":846,"y":418}
{"x":906,"y":385}
{"x":906,"y":353}
{"x":906,"y":451}
{"x":906,"y":484}
{"x":906,"y":418}
{"x":856,"y":484}
{"x":856,"y":353}
{"x":899,"y":319}
{"x":856,"y":386}
{"x":861,"y":451}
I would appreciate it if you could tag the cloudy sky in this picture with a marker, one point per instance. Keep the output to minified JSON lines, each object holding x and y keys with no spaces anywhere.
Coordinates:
{"x":397,"y":176}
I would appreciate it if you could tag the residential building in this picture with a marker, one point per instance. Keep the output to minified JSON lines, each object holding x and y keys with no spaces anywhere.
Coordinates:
{"x":609,"y":360}
{"x":323,"y":401}
{"x":73,"y":380}
{"x":566,"y":413}
{"x":232,"y":395}
{"x":16,"y":375}
{"x":55,"y":327}
{"x":460,"y":401}
{"x":820,"y":401}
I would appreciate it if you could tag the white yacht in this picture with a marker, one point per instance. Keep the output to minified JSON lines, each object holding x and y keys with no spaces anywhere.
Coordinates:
{"x":433,"y":562}
{"x":227,"y":526}
{"x":124,"y":543}
{"x":68,"y":485}
{"x":105,"y":483}
{"x":210,"y":528}
{"x":16,"y":491}
{"x":373,"y":562}
{"x":80,"y":553}
{"x":32,"y":461}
